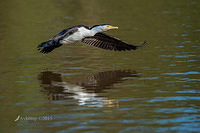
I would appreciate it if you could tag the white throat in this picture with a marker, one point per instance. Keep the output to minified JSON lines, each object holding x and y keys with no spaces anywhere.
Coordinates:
{"x":97,"y":29}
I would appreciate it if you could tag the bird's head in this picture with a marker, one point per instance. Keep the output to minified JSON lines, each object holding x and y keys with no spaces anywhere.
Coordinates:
{"x":104,"y":27}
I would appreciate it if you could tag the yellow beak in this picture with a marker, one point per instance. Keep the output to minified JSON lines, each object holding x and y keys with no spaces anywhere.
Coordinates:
{"x":111,"y":27}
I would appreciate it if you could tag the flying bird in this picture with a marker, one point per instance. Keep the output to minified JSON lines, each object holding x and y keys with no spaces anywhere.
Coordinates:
{"x":93,"y":36}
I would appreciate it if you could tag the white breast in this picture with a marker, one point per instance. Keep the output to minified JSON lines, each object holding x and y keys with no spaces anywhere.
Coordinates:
{"x":77,"y":36}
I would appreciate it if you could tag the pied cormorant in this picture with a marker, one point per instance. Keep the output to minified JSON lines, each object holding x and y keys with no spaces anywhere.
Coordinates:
{"x":93,"y":36}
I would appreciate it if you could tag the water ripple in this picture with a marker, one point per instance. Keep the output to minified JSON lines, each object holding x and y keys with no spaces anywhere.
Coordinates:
{"x":175,"y":98}
{"x":184,"y":73}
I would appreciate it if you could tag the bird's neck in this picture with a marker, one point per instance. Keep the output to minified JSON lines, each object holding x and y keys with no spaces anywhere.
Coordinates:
{"x":89,"y":32}
{"x":96,"y":30}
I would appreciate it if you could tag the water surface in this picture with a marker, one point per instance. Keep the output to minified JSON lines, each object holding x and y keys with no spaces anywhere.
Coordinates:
{"x":78,"y":88}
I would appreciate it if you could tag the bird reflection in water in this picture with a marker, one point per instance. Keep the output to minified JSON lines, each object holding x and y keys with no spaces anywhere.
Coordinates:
{"x":86,"y":91}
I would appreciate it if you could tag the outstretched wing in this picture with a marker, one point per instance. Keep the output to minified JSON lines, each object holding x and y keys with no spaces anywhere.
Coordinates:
{"x":108,"y":42}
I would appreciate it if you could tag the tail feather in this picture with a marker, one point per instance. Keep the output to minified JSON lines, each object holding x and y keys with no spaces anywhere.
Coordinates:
{"x":48,"y":46}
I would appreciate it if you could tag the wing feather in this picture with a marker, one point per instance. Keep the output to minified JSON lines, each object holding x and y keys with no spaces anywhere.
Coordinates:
{"x":105,"y":41}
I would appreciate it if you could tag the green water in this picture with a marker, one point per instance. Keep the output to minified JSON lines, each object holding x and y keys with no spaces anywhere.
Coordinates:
{"x":79,"y":88}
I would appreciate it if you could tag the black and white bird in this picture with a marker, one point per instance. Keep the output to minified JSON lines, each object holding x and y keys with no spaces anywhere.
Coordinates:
{"x":93,"y":36}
